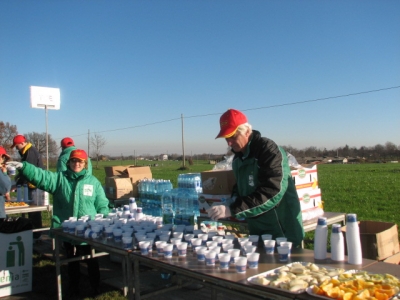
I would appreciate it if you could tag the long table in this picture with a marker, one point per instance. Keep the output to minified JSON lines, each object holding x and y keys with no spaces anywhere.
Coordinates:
{"x":215,"y":278}
{"x":28,"y":209}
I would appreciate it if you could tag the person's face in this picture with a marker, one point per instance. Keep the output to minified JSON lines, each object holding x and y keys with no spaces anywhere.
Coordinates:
{"x":20,"y":146}
{"x":76,"y":164}
{"x":238,"y":141}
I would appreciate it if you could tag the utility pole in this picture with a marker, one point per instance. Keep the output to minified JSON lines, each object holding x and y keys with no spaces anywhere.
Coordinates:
{"x":88,"y":143}
{"x":183,"y":143}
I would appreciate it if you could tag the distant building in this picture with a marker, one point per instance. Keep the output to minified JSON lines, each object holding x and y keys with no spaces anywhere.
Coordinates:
{"x":163,"y":157}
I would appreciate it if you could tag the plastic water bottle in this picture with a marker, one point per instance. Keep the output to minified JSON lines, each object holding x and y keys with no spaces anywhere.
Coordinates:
{"x":354,"y":255}
{"x":132,"y":206}
{"x":337,"y":243}
{"x":19,"y":193}
{"x":26,"y":197}
{"x":185,"y":202}
{"x":167,"y":204}
{"x":320,"y":239}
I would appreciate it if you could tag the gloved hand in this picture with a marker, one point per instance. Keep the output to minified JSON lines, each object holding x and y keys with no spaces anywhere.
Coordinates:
{"x":15,"y":164}
{"x":219,"y":212}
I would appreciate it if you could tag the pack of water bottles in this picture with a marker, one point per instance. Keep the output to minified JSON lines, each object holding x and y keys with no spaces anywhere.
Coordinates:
{"x":150,"y":194}
{"x":190,"y":181}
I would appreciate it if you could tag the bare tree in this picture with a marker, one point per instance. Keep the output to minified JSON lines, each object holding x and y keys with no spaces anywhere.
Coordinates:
{"x":38,"y":140}
{"x":97,"y":142}
{"x":7,"y":133}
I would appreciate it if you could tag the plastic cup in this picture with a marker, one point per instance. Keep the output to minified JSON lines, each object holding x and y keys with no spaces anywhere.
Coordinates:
{"x":178,"y":234}
{"x":201,"y":253}
{"x":108,"y":232}
{"x":233,"y":253}
{"x":11,"y":170}
{"x":189,"y":228}
{"x":71,"y":227}
{"x":227,"y":241}
{"x":289,"y":245}
{"x":65,"y":226}
{"x":182,"y":249}
{"x":127,"y":242}
{"x":164,"y":237}
{"x":188,"y":237}
{"x":226,"y":247}
{"x":241,"y":264}
{"x":144,"y":247}
{"x":211,"y":244}
{"x":283,"y":253}
{"x":279,"y":240}
{"x":224,"y":259}
{"x":203,"y":237}
{"x":160,"y":247}
{"x":269,"y":246}
{"x":196,"y":242}
{"x":210,"y":258}
{"x":80,"y":230}
{"x":151,"y":235}
{"x":254,"y":239}
{"x":252,"y":260}
{"x":117,"y":233}
{"x":249,"y":249}
{"x":168,"y":250}
{"x":266,"y":237}
{"x":229,"y":237}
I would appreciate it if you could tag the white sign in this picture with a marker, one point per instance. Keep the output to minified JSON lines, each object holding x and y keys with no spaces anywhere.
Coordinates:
{"x":45,"y":97}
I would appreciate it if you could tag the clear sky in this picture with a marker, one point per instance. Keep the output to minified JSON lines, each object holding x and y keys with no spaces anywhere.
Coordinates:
{"x":128,"y":70}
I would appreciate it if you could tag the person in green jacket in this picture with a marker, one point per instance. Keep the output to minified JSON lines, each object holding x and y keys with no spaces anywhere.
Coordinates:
{"x":76,"y":193}
{"x":265,"y":194}
{"x":67,"y":146}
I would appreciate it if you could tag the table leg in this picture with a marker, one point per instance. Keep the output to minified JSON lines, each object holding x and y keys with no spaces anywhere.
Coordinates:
{"x":58,"y":267}
{"x":136,"y":279}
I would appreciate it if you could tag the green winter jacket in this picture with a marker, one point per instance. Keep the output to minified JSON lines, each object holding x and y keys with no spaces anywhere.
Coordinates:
{"x":265,"y":192}
{"x":75,"y":195}
{"x":64,"y":157}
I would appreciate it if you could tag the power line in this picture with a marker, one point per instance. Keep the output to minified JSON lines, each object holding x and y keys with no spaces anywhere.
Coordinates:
{"x":248,"y":109}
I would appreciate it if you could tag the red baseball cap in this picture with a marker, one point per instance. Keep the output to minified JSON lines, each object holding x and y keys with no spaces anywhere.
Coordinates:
{"x":18,"y":139}
{"x":67,"y":142}
{"x":3,"y":152}
{"x":229,"y":123}
{"x":79,"y":154}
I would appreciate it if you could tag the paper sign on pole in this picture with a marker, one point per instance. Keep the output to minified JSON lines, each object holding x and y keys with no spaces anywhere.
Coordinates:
{"x":42,"y":97}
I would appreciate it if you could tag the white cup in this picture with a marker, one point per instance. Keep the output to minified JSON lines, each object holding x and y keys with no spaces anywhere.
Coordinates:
{"x":80,"y":230}
{"x":182,"y":249}
{"x":168,"y":250}
{"x":252,"y":260}
{"x":210,"y":258}
{"x":226,"y":247}
{"x":289,"y":245}
{"x":279,"y":240}
{"x":201,"y":253}
{"x":234,"y":253}
{"x":266,"y":237}
{"x":127,"y":242}
{"x":254,"y":239}
{"x":283,"y":253}
{"x":241,"y":264}
{"x":249,"y":249}
{"x":269,"y":246}
{"x":224,"y":259}
{"x":160,"y":247}
{"x":144,"y":247}
{"x":117,"y":233}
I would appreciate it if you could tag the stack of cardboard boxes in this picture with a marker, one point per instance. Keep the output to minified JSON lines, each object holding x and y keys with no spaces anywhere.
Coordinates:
{"x":306,"y":181}
{"x":121,"y":182}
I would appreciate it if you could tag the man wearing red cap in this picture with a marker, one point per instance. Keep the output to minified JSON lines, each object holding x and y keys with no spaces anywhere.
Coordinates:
{"x":67,"y":146}
{"x":76,"y":194}
{"x":29,"y":154}
{"x":265,"y":194}
{"x":5,"y":182}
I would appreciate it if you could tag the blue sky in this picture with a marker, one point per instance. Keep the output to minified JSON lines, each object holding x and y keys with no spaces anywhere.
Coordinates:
{"x":128,"y":70}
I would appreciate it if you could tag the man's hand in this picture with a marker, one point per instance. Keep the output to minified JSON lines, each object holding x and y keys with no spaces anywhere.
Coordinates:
{"x":15,"y":164}
{"x":219,"y":212}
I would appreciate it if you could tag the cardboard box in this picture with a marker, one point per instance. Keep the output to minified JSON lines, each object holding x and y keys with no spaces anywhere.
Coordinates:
{"x":115,"y":170}
{"x":218,"y":182}
{"x":15,"y":263}
{"x":306,"y":177}
{"x":118,"y":188}
{"x":137,"y":173}
{"x":207,"y":200}
{"x":309,"y":198}
{"x":394,"y":259}
{"x":379,"y":240}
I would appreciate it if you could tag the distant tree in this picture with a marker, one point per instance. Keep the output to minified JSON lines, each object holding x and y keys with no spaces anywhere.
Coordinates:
{"x":98,"y":142}
{"x":38,"y":140}
{"x":7,"y":133}
{"x":190,"y":161}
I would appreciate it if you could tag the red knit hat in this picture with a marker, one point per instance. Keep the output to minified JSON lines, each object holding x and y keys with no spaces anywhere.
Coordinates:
{"x":3,"y":152}
{"x":79,"y":154}
{"x":67,"y":142}
{"x":18,"y":139}
{"x":229,"y":123}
